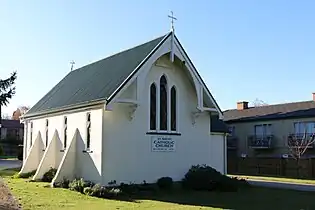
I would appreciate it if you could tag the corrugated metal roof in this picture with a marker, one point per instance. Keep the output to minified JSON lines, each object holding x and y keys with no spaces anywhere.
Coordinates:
{"x":270,"y":112}
{"x":94,"y":81}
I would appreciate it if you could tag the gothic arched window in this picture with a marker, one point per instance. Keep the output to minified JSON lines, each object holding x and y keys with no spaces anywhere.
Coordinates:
{"x":163,"y":103}
{"x":173,"y":109}
{"x":153,"y":107}
{"x":65,"y":132}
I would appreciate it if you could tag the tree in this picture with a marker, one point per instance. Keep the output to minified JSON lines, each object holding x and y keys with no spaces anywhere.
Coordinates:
{"x":258,"y":103}
{"x":5,"y":116}
{"x":298,"y":145}
{"x":21,"y":110}
{"x":7,"y":91}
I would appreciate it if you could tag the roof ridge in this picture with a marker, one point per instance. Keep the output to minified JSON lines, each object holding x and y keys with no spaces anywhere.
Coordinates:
{"x":122,"y":51}
{"x":270,"y":105}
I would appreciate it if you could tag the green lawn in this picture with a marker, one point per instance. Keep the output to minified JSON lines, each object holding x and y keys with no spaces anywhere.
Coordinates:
{"x":34,"y":195}
{"x":8,"y":157}
{"x":276,"y":179}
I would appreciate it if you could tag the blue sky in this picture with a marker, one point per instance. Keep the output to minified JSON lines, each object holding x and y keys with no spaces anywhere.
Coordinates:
{"x":243,"y":49}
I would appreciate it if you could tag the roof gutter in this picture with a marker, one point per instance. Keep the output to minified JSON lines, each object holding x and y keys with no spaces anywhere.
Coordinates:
{"x":64,"y":108}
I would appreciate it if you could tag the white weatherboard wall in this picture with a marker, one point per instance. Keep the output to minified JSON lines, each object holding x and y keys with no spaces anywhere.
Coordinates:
{"x":127,"y":154}
{"x":90,"y":163}
{"x":217,"y":152}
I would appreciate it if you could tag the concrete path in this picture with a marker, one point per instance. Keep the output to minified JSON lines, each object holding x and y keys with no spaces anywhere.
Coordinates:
{"x":4,"y":164}
{"x":283,"y":185}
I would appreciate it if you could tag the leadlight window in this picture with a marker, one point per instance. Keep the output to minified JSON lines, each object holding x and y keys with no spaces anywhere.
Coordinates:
{"x":153,"y":107}
{"x":163,"y":103}
{"x":173,"y":108}
{"x":65,"y":129}
{"x":46,"y":132}
{"x":88,"y":132}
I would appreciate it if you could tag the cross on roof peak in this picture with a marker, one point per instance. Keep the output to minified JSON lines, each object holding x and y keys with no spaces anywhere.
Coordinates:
{"x":172,"y":17}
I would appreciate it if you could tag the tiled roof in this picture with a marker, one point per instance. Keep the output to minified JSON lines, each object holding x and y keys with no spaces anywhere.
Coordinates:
{"x":270,"y":112}
{"x":11,"y":124}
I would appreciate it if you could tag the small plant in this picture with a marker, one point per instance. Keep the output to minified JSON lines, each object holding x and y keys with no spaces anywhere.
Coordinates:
{"x":27,"y":175}
{"x":88,"y":191}
{"x":165,"y":183}
{"x":49,"y":175}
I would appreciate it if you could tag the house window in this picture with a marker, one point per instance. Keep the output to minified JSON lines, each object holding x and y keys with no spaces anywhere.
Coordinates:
{"x":88,"y":132}
{"x":173,"y":108}
{"x":46,"y":136}
{"x":304,"y":127}
{"x":153,"y":107}
{"x":31,"y":135}
{"x":232,"y":130}
{"x":263,"y":130}
{"x":65,"y":127}
{"x":163,"y":103}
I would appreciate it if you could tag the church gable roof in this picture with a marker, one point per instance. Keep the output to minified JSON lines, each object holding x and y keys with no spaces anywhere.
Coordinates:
{"x":96,"y":81}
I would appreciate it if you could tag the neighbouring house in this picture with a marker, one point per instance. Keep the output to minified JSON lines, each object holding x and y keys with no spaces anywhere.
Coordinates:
{"x":12,"y":130}
{"x":269,"y":130}
{"x":141,"y":114}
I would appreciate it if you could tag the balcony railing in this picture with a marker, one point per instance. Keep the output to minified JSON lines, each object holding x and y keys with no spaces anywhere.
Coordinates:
{"x":301,"y":140}
{"x":231,"y":142}
{"x":260,"y":141}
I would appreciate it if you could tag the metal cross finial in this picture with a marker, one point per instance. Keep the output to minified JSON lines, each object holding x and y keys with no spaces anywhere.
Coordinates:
{"x":72,"y":64}
{"x":172,"y":20}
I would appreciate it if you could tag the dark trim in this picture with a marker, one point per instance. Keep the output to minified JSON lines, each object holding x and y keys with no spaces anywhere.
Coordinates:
{"x":62,"y":150}
{"x":198,"y":74}
{"x":87,"y":151}
{"x":137,"y":69}
{"x":44,"y":149}
{"x":160,"y":133}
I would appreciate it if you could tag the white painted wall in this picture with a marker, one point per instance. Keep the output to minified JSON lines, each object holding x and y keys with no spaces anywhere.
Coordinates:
{"x":217,"y":152}
{"x":127,"y":152}
{"x":90,"y":163}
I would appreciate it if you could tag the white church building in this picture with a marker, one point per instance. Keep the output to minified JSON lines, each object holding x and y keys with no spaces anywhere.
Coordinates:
{"x":140,"y":114}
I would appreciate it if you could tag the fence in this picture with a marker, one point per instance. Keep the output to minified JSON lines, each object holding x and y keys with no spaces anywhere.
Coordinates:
{"x":9,"y":149}
{"x":272,"y":167}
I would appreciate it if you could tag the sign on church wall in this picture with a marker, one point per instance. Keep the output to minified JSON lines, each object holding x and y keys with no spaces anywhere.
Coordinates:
{"x":162,"y":144}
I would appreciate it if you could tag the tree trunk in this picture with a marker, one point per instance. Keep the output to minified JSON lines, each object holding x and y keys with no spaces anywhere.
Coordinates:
{"x":0,"y":123}
{"x":298,"y":167}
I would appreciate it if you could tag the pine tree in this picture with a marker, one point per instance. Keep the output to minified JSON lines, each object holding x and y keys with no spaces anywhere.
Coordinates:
{"x":7,"y":91}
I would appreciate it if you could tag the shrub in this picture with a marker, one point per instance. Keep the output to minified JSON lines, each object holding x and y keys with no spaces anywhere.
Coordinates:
{"x":129,"y":188}
{"x":20,"y":154}
{"x":203,"y":177}
{"x":79,"y":185}
{"x":49,"y":175}
{"x":165,"y":183}
{"x":63,"y":184}
{"x":1,"y":151}
{"x":27,"y":175}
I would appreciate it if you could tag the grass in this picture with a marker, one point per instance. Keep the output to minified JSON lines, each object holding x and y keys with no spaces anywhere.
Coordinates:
{"x":277,"y":179}
{"x":36,"y":195}
{"x":8,"y":157}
